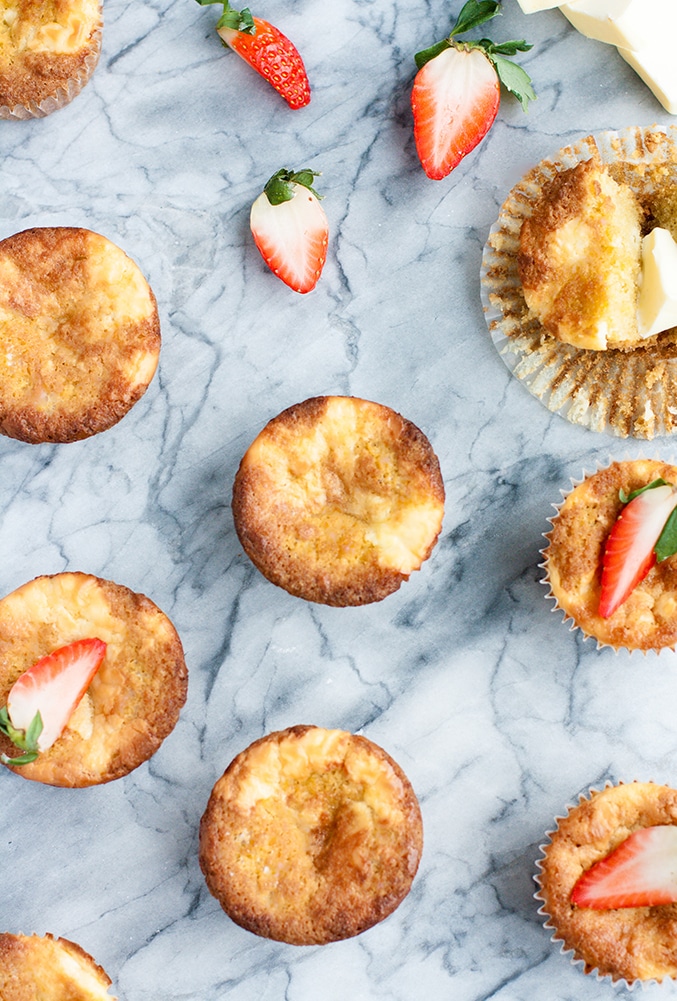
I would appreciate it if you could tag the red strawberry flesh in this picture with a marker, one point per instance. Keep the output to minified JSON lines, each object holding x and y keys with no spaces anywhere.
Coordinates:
{"x":274,"y":57}
{"x":455,"y":100}
{"x":292,"y":237}
{"x":641,"y":872}
{"x":629,"y":552}
{"x":54,"y":687}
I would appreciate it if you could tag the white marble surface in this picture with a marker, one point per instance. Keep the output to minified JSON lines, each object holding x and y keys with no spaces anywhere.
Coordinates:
{"x":498,"y":713}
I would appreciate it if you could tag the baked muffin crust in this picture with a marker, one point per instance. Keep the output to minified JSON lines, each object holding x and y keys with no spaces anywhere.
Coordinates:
{"x":49,"y":969}
{"x":573,"y":561}
{"x":311,"y":836}
{"x":134,"y":699}
{"x":79,"y":334}
{"x":636,"y":943}
{"x":580,"y":258}
{"x":338,"y":500}
{"x":48,"y":51}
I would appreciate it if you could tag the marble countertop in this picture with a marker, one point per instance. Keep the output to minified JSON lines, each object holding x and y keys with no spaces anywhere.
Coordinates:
{"x":499,"y":714}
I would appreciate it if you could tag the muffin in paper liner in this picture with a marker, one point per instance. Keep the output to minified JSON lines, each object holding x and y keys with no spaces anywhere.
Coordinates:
{"x":49,"y":53}
{"x":625,"y":393}
{"x":572,"y":561}
{"x":629,"y":946}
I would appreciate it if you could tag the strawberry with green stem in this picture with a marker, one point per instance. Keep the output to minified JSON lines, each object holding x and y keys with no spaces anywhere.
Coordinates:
{"x":42,"y":699}
{"x":266,"y":49}
{"x":456,"y":91}
{"x":640,"y":872}
{"x":644,"y":533}
{"x":290,"y":228}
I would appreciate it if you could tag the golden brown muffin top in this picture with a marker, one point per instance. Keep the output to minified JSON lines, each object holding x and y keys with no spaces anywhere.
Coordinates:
{"x":44,"y":46}
{"x":625,"y":943}
{"x":338,"y":499}
{"x":79,"y":330}
{"x":133,"y":701}
{"x":48,"y":968}
{"x":310,"y":836}
{"x":580,"y":258}
{"x":648,"y":618}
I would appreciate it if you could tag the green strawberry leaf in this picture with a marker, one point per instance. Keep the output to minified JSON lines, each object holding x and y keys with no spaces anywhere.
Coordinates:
{"x":26,"y":741}
{"x":515,"y":79}
{"x":425,"y":55}
{"x":667,"y":540}
{"x":239,"y":20}
{"x":626,"y":498}
{"x":474,"y":13}
{"x":509,"y":48}
{"x":279,"y":187}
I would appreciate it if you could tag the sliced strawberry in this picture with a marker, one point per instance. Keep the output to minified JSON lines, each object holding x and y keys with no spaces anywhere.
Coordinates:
{"x":454,"y":100}
{"x":629,"y":553}
{"x":641,"y":872}
{"x":290,"y":228}
{"x":266,"y":50}
{"x":456,"y":91}
{"x":53,"y":688}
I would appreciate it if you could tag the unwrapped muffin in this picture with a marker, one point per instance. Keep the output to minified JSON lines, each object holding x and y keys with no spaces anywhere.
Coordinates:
{"x":338,"y":500}
{"x":48,"y":52}
{"x":311,"y":836}
{"x":44,"y":968}
{"x":80,"y":334}
{"x":133,"y":700}
{"x":563,"y":282}
{"x":604,"y":930}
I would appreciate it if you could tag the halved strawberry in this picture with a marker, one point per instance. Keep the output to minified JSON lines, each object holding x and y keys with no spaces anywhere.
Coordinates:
{"x":43,"y":699}
{"x":455,"y":100}
{"x":456,"y":91}
{"x":630,"y":553}
{"x":290,"y":228}
{"x":266,"y":50}
{"x":641,"y":872}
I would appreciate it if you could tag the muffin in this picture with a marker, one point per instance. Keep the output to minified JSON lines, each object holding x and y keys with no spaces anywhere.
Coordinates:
{"x":562,"y":278}
{"x":579,"y":258}
{"x":574,"y":558}
{"x":311,"y":836}
{"x":624,"y":943}
{"x":80,"y":333}
{"x":48,"y":968}
{"x":134,"y":699}
{"x":48,"y":52}
{"x":338,"y":500}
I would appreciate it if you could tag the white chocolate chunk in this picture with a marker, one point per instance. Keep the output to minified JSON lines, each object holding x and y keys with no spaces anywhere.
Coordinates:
{"x":657,"y":66}
{"x":531,"y":6}
{"x":630,"y":24}
{"x":657,"y":307}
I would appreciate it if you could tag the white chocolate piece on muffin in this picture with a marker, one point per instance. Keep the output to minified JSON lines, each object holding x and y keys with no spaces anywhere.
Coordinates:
{"x":657,"y":306}
{"x":311,"y":836}
{"x":338,"y":500}
{"x":79,"y":334}
{"x":36,"y":967}
{"x":134,"y":699}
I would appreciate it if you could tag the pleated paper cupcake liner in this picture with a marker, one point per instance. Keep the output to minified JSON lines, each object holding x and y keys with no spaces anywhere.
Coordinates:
{"x":604,"y":637}
{"x":625,"y":394}
{"x":581,"y":933}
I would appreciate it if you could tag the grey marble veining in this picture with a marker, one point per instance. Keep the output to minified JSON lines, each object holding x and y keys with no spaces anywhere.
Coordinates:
{"x":498,"y":713}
